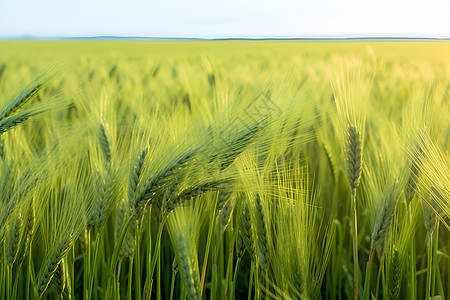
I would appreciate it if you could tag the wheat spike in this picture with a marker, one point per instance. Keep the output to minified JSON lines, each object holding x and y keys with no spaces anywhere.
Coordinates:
{"x":160,"y":202}
{"x":104,"y":143}
{"x":237,"y":145}
{"x":127,"y":249}
{"x":412,"y":183}
{"x":62,"y":285}
{"x":136,"y":174}
{"x":246,"y":231}
{"x":188,"y":269}
{"x":395,"y":278}
{"x":20,"y":101}
{"x":2,"y":149}
{"x":10,"y":206}
{"x":13,"y":241}
{"x":122,"y":213}
{"x":11,"y":122}
{"x":354,"y":158}
{"x":155,"y":183}
{"x":174,"y":265}
{"x":104,"y":203}
{"x":383,"y":221}
{"x":430,"y":209}
{"x":4,"y":187}
{"x":50,"y":264}
{"x":28,"y":232}
{"x":240,"y":245}
{"x":31,"y":218}
{"x":119,"y":218}
{"x":222,"y":199}
{"x":192,"y":192}
{"x":262,"y":234}
{"x":225,"y":215}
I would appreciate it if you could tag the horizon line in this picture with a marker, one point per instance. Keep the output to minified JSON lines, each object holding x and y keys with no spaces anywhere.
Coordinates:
{"x":184,"y":38}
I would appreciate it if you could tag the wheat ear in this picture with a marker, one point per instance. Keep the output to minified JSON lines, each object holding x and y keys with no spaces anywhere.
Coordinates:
{"x":62,"y":285}
{"x":240,"y":245}
{"x":222,"y":199}
{"x":28,"y":232}
{"x":412,"y":183}
{"x":430,"y":210}
{"x":122,"y":213}
{"x":4,"y":185}
{"x":262,"y":234}
{"x":20,"y":101}
{"x":354,"y":158}
{"x":395,"y":278}
{"x":245,"y":232}
{"x":103,"y":203}
{"x":237,"y":145}
{"x":11,"y":122}
{"x":225,"y":215}
{"x":187,"y":265}
{"x":383,"y":222}
{"x":50,"y":264}
{"x":104,"y":143}
{"x":136,"y":174}
{"x":159,"y":202}
{"x":154,"y":184}
{"x":2,"y":149}
{"x":192,"y":192}
{"x":13,"y":241}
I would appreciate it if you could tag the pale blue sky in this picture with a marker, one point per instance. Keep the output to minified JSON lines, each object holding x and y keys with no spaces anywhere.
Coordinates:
{"x":229,"y":18}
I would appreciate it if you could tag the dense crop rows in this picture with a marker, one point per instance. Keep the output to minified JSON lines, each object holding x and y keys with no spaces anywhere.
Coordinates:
{"x":224,"y":170}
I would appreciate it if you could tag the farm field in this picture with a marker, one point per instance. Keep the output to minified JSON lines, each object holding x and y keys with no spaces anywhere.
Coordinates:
{"x":224,"y":170}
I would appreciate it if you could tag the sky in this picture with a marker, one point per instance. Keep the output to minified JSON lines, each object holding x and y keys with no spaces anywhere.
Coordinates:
{"x":226,"y":18}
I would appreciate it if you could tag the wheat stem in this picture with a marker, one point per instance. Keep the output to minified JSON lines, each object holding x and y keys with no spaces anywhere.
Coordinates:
{"x":355,"y":249}
{"x":354,"y":161}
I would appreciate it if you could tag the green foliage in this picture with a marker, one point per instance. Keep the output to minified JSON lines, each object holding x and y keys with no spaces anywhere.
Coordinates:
{"x":224,"y":170}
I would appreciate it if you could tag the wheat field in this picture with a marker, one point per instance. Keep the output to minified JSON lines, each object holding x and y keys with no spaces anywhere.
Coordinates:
{"x":224,"y":170}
